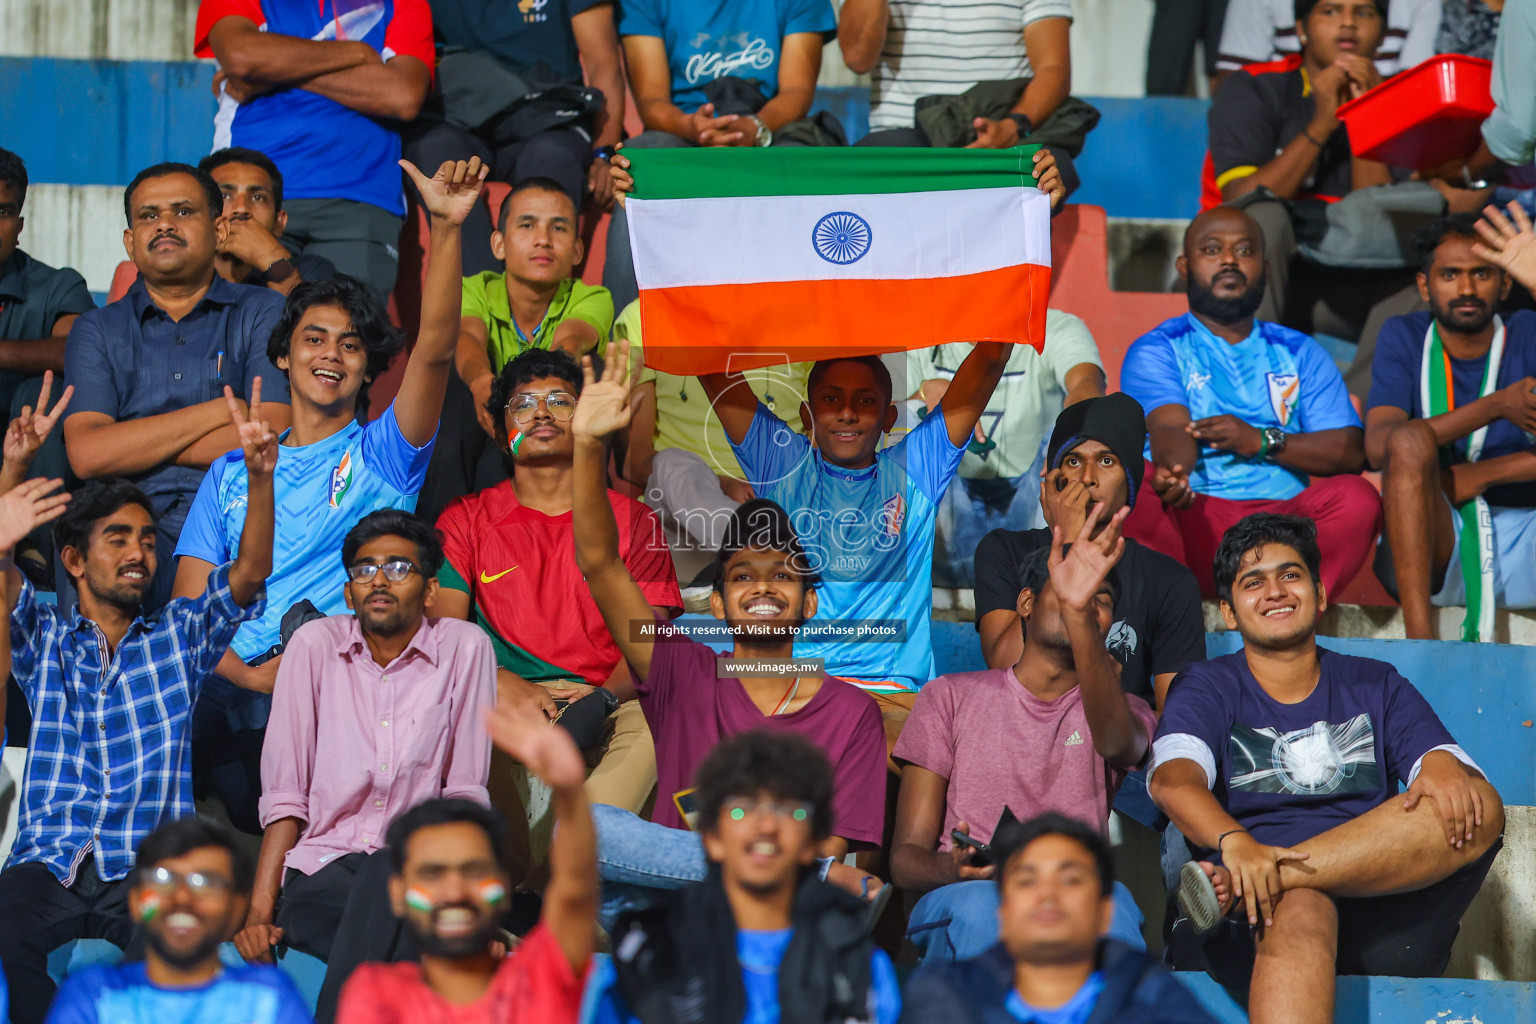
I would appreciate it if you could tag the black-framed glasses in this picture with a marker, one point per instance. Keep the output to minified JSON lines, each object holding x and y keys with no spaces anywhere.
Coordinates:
{"x":395,"y":570}
{"x":561,"y":405}
{"x":200,"y":883}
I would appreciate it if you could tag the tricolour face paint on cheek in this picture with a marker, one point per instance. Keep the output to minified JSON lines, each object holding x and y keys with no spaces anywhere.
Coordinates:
{"x":517,"y":441}
{"x":418,"y":900}
{"x":149,"y":906}
{"x":492,"y":893}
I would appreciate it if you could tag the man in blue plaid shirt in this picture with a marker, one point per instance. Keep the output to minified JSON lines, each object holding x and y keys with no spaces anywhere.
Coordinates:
{"x":111,"y":693}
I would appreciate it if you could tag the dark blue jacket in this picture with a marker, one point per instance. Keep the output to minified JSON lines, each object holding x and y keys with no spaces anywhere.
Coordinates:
{"x":1137,"y":990}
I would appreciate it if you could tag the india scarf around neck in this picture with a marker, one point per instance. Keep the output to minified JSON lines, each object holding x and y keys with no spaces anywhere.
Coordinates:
{"x":1437,"y":396}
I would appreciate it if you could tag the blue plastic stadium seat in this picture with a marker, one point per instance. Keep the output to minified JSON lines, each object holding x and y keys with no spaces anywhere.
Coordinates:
{"x":1397,"y":1000}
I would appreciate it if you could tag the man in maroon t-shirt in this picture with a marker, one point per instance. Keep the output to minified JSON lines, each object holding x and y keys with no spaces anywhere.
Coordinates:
{"x":764,"y":590}
{"x":1053,"y":733}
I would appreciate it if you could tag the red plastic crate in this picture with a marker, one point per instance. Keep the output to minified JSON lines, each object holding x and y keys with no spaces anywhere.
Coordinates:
{"x":1425,"y":116}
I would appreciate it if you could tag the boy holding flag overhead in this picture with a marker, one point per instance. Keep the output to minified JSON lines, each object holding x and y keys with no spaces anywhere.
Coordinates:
{"x":866,"y":516}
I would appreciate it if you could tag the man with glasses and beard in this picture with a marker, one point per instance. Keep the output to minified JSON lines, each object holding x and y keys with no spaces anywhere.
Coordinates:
{"x":373,"y":713}
{"x":1243,"y":416}
{"x":189,"y":890}
{"x":449,"y":886}
{"x":1449,"y":424}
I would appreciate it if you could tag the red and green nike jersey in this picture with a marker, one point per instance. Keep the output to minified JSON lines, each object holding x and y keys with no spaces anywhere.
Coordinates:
{"x":518,"y":567}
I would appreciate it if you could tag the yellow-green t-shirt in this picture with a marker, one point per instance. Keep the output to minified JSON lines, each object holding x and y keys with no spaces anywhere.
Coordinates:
{"x":485,"y":296}
{"x":684,"y":417}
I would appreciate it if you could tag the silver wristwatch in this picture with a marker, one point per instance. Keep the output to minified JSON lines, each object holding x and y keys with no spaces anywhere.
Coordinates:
{"x":764,"y":133}
{"x":1274,"y":442}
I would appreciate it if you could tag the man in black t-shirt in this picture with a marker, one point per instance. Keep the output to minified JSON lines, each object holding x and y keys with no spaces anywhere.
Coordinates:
{"x":1095,"y":457}
{"x":1279,"y":150}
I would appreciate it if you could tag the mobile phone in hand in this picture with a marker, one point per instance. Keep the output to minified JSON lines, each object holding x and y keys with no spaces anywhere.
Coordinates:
{"x":981,"y":853}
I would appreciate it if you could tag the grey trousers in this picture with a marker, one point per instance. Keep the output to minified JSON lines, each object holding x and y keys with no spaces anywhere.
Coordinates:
{"x":362,"y":240}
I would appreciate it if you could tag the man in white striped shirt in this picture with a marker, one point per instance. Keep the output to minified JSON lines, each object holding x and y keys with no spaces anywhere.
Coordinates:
{"x":917,"y":48}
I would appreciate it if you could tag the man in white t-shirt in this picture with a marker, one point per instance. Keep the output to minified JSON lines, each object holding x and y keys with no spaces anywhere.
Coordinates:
{"x":1263,"y":30}
{"x":917,"y":48}
{"x":998,"y":479}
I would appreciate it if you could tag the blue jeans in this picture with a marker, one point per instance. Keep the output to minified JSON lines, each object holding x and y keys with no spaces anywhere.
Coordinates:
{"x":636,"y":859}
{"x":959,"y":921}
{"x":970,"y":510}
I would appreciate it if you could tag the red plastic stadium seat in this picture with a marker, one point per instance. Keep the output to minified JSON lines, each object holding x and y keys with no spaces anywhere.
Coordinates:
{"x":122,"y":279}
{"x":1080,"y":285}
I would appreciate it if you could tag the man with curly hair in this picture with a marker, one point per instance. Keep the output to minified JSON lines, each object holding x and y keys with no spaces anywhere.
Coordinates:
{"x":510,"y":569}
{"x":332,"y":342}
{"x":761,"y":938}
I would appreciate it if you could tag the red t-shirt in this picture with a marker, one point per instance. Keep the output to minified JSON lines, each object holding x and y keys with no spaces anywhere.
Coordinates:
{"x":518,"y":566}
{"x":535,"y":984}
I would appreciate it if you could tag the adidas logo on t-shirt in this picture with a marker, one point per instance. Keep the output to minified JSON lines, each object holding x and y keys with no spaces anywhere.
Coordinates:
{"x":1075,"y":740}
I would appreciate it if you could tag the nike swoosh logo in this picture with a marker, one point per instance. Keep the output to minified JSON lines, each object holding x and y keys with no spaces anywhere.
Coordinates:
{"x":484,"y":578}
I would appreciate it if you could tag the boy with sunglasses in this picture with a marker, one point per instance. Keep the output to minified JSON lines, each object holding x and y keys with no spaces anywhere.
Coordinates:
{"x":374,"y":712}
{"x":509,"y":568}
{"x":761,"y":939}
{"x":191,"y":885}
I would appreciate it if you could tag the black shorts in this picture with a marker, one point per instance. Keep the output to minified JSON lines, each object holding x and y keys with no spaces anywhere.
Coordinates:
{"x":1407,"y":935}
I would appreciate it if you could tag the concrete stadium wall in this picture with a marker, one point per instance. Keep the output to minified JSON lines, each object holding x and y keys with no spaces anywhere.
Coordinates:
{"x":93,"y":90}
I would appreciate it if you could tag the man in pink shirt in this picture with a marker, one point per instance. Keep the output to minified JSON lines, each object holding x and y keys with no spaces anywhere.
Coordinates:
{"x":372,"y":714}
{"x":1054,"y":732}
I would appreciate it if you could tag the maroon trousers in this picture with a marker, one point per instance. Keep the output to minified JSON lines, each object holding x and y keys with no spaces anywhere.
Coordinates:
{"x":1346,"y":509}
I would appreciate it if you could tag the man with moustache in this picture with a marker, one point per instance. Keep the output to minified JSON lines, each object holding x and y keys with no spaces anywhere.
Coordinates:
{"x":449,"y":887}
{"x":1449,"y":424}
{"x":1243,"y":416}
{"x":111,"y":688}
{"x":190,"y":887}
{"x":251,"y":250}
{"x":508,"y":568}
{"x":373,"y":713}
{"x":149,"y":370}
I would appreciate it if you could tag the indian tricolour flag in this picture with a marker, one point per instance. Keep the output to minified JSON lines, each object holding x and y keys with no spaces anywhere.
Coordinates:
{"x":744,"y":254}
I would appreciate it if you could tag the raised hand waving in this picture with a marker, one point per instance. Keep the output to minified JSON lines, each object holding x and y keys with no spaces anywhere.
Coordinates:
{"x":603,"y":407}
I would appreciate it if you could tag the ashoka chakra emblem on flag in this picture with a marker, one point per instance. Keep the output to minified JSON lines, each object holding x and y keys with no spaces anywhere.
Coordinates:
{"x":841,"y":237}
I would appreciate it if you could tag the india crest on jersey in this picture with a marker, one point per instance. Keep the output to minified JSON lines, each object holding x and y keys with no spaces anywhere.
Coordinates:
{"x":341,"y":479}
{"x":1284,"y":390}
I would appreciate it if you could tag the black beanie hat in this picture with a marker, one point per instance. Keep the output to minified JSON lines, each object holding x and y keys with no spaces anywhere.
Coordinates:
{"x":1116,"y":421}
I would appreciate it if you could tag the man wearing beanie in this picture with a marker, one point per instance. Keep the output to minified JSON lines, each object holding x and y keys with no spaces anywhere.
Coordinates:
{"x":1094,"y":460}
